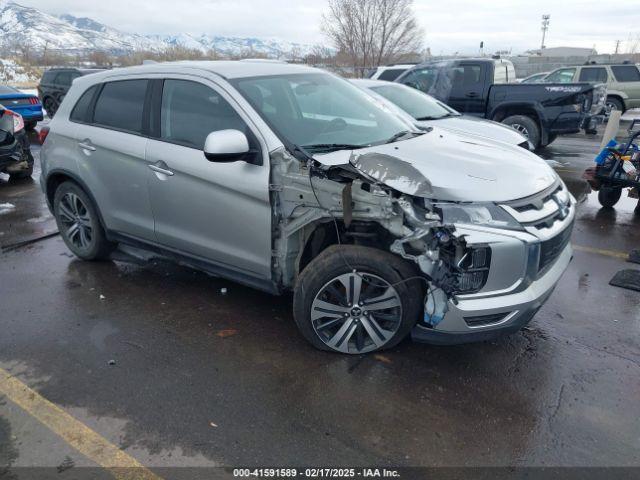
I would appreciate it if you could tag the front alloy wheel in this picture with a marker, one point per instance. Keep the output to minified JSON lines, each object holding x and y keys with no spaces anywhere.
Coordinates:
{"x":356,"y":313}
{"x":354,"y":299}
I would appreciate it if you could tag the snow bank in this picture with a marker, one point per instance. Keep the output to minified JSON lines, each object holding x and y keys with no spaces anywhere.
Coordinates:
{"x":12,"y":73}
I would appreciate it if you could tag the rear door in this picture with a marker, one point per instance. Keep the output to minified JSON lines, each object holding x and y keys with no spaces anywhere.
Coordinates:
{"x":110,"y":152}
{"x":627,"y":80}
{"x":219,"y":212}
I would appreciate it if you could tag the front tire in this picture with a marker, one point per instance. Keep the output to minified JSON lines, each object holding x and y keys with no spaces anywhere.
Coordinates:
{"x":609,"y":196}
{"x":527,"y":126}
{"x":50,"y":106}
{"x":79,"y":224}
{"x":356,"y":300}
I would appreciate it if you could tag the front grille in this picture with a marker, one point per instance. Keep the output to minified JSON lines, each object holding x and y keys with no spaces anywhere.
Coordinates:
{"x":485,"y":319}
{"x":542,"y":210}
{"x":551,"y":249}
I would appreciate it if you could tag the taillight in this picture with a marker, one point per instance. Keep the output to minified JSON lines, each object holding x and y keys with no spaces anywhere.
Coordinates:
{"x":33,"y":101}
{"x":42,"y":134}
{"x":18,"y":122}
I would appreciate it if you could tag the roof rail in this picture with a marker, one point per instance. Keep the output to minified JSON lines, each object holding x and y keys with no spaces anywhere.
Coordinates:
{"x":402,"y":63}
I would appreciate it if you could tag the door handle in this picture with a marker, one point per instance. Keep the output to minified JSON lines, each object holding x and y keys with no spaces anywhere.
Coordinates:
{"x":472,"y":94}
{"x":87,"y":146}
{"x":164,"y":171}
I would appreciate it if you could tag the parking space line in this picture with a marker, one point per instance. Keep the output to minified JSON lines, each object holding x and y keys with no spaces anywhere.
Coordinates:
{"x":601,"y":251}
{"x":75,"y":433}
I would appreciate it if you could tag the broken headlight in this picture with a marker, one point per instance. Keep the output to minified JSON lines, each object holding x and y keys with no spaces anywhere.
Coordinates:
{"x":484,"y":214}
{"x":474,"y":269}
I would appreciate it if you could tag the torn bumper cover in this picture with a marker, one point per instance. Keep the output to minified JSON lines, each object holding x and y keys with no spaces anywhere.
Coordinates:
{"x":499,"y":308}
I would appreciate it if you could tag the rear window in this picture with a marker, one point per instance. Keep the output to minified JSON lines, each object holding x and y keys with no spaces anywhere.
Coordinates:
{"x":120,"y":105}
{"x":81,"y":111}
{"x":594,"y":75}
{"x":391,"y":74}
{"x":626,"y":73}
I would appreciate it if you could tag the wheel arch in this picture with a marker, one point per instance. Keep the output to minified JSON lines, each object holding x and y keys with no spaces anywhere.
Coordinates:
{"x":57,"y":177}
{"x":618,"y":97}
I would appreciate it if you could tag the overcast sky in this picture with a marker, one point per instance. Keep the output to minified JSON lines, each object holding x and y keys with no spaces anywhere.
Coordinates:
{"x":450,"y":26}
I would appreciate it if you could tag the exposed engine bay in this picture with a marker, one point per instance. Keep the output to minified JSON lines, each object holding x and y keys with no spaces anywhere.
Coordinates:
{"x":363,"y":202}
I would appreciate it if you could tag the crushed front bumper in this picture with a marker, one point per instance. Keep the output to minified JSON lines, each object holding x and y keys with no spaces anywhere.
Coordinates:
{"x":503,"y":313}
{"x":525,"y":267}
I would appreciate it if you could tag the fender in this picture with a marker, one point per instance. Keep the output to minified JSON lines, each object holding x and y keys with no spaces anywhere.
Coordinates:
{"x":535,"y":106}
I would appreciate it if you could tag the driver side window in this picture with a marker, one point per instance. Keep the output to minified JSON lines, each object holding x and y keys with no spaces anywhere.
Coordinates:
{"x":191,"y":111}
{"x":564,"y":75}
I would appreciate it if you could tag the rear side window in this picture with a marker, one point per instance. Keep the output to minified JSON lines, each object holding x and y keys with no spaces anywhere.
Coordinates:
{"x":48,"y":77}
{"x":626,"y":73}
{"x":190,"y":111}
{"x":121,"y":104}
{"x":63,"y":79}
{"x":391,"y":74}
{"x":598,"y":75}
{"x":80,"y":112}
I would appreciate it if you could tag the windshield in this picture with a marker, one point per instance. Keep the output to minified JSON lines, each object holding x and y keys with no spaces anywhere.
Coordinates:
{"x":320,"y":110}
{"x":417,"y":104}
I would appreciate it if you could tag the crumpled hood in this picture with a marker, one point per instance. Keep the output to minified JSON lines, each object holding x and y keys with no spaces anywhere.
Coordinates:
{"x":450,"y":167}
{"x":466,"y":124}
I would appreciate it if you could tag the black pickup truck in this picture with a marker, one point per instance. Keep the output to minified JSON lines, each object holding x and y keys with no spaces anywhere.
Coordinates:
{"x":482,"y":87}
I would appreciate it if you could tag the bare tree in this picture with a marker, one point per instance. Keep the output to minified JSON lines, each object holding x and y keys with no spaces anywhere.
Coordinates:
{"x":372,"y":32}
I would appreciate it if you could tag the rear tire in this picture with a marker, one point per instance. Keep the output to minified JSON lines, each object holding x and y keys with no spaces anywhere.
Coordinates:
{"x":614,"y":103}
{"x":79,"y":224}
{"x":355,"y":313}
{"x":526,"y":126}
{"x":609,"y":196}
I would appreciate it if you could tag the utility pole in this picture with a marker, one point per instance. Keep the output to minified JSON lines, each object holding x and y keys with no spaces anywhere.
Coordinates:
{"x":617,"y":46}
{"x":545,"y":26}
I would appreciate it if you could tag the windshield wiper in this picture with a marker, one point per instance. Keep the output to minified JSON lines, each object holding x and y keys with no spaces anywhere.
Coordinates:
{"x":332,"y":147}
{"x":446,"y":115}
{"x":399,"y":135}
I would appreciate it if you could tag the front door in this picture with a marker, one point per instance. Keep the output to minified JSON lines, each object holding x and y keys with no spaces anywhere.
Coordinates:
{"x":215,"y":211}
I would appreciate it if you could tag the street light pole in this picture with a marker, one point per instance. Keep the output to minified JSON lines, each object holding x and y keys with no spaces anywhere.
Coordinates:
{"x":545,"y":27}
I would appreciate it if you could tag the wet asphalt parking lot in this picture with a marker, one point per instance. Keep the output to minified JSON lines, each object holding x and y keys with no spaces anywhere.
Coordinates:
{"x":155,"y":361}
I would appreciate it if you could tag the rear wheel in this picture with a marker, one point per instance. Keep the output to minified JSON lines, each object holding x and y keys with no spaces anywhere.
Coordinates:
{"x":609,"y":196}
{"x":78,"y":223}
{"x":527,"y":126}
{"x":357,"y":300}
{"x":614,"y":103}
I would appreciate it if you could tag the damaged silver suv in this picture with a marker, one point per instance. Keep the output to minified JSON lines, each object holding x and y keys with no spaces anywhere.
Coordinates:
{"x":288,"y":178}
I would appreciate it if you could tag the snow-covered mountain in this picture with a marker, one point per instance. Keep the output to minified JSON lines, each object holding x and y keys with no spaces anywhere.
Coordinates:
{"x":234,"y":45}
{"x":27,"y":25}
{"x":30,"y":26}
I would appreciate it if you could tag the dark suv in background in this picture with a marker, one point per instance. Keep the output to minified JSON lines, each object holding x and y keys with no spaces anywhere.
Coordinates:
{"x":55,"y":84}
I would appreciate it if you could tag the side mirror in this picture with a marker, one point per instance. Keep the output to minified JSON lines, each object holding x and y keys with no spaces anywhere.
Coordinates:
{"x":226,"y":146}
